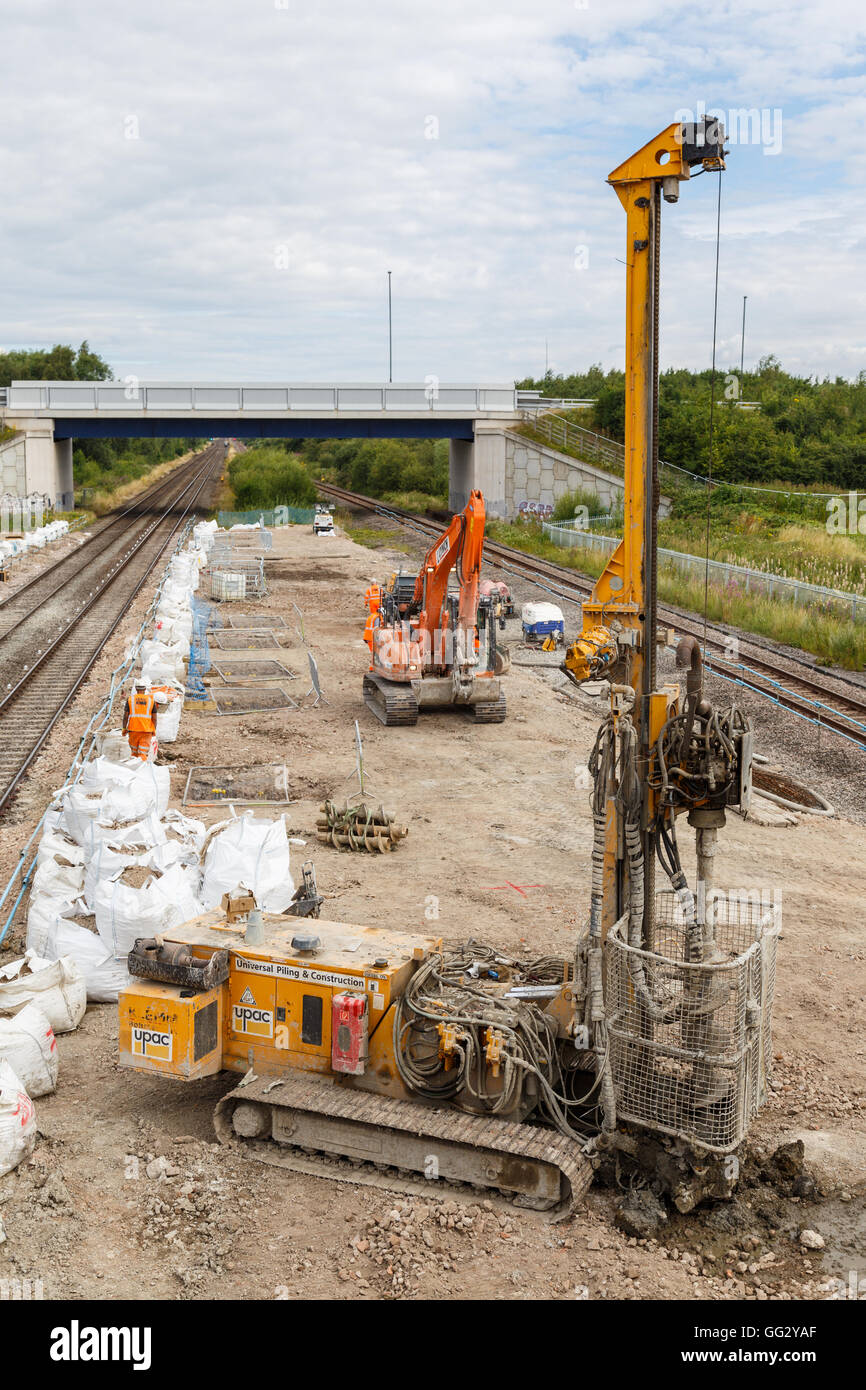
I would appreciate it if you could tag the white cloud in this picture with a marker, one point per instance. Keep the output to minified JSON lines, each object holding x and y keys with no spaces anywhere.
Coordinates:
{"x":304,"y":129}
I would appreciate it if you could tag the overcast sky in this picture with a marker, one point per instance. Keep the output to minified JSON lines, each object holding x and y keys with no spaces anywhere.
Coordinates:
{"x":215,"y":189}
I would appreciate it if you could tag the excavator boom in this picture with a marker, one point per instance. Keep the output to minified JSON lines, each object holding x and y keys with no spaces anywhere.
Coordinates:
{"x":461,"y":545}
{"x":433,"y":648}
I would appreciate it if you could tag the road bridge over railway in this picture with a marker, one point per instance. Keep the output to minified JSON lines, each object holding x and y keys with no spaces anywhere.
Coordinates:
{"x":48,"y":415}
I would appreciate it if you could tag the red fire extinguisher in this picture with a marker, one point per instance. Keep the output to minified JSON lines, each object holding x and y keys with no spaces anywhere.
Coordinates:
{"x":349,"y":1033}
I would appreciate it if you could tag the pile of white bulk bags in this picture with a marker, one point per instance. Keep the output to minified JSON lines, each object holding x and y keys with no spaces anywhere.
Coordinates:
{"x":85,"y":902}
{"x":114,"y":818}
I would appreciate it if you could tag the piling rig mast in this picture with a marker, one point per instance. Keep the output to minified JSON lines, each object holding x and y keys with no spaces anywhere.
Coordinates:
{"x":619,"y":633}
{"x":655,"y":756}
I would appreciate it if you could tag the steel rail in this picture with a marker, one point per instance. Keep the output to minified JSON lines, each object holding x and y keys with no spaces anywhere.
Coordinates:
{"x":69,"y":682}
{"x":100,"y":539}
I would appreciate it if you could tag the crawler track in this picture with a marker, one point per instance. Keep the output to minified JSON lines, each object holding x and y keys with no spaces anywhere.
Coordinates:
{"x":301,"y":1111}
{"x":53,"y":628}
{"x":796,"y":684}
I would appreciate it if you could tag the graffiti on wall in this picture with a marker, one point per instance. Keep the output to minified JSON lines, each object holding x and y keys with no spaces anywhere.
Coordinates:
{"x":535,"y":509}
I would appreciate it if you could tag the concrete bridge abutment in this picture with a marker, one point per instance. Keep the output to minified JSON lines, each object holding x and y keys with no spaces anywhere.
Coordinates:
{"x":34,"y":461}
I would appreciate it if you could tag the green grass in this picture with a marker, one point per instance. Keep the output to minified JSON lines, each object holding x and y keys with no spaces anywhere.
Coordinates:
{"x":567,"y":505}
{"x":419,"y":502}
{"x":374,"y":537}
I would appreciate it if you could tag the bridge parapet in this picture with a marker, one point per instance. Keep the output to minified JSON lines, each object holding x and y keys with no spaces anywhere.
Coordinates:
{"x":131,"y":397}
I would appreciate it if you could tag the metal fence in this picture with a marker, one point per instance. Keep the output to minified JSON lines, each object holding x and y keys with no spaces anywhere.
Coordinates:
{"x":562,"y":434}
{"x":723,"y":574}
{"x":204,"y":616}
{"x":274,"y":516}
{"x":232,"y":575}
{"x":253,"y":540}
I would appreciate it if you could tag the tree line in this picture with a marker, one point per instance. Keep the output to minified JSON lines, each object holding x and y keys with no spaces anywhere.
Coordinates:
{"x":804,"y":430}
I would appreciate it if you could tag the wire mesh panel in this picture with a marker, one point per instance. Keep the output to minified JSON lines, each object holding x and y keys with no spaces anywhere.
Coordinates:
{"x":248,"y":538}
{"x":203,"y":617}
{"x":689,"y":1023}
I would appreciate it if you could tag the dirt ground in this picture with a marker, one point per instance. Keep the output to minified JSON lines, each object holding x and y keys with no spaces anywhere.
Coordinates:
{"x":128,"y":1195}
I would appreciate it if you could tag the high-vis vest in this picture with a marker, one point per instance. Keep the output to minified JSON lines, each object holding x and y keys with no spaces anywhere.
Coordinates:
{"x":140,"y":706}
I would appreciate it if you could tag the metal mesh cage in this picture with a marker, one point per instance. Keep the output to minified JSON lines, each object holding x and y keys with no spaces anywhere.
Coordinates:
{"x":690,"y":1040}
{"x":234,"y":574}
{"x":253,"y":538}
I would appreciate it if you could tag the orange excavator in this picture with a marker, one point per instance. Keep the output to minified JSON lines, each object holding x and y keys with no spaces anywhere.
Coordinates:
{"x":433,"y":647}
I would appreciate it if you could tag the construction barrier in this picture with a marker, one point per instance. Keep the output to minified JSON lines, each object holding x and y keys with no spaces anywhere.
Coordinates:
{"x":275,"y":516}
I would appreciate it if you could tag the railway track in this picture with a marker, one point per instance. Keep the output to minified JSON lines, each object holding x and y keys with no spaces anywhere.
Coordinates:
{"x":795,"y":684}
{"x":54,"y":627}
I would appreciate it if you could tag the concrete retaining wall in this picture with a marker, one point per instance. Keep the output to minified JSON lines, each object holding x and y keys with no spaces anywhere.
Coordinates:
{"x":536,"y":477}
{"x":13,"y":467}
{"x":33,"y":461}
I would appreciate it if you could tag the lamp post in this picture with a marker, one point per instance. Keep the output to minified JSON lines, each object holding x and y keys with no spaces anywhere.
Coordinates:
{"x":743,"y":335}
{"x":390,"y":340}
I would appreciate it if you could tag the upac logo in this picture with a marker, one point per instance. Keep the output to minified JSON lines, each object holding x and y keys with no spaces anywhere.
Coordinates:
{"x":248,"y":1018}
{"x":152,"y":1043}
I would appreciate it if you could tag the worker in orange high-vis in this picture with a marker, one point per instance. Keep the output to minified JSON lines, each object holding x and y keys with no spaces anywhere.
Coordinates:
{"x":139,"y":720}
{"x":372,"y":602}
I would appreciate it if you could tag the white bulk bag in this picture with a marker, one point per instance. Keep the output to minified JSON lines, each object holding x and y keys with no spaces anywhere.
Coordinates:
{"x":130,"y":790}
{"x":253,"y":852}
{"x":43,"y":914}
{"x":161,"y":668}
{"x":133,"y":838}
{"x":101,"y":773}
{"x":124,"y":913}
{"x":57,"y":987}
{"x":108,"y":862}
{"x":103,"y":976}
{"x":58,"y":847}
{"x":184,"y":571}
{"x":17,"y":1121}
{"x":173,"y":631}
{"x":162,"y":649}
{"x":145,"y":793}
{"x":168,"y":718}
{"x":188,"y":830}
{"x":28,"y":1044}
{"x":56,"y":880}
{"x":79,"y":811}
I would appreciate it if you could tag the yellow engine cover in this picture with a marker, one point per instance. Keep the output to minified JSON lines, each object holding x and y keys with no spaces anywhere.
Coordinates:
{"x":161,"y":1030}
{"x":275,"y":1009}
